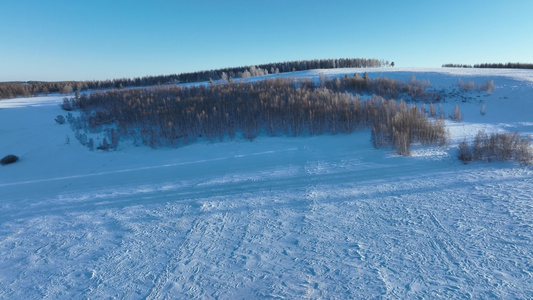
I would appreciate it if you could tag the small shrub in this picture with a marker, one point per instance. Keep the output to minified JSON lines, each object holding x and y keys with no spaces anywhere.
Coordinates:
{"x":82,"y":138}
{"x":465,"y":155}
{"x":524,"y":152}
{"x":480,"y":145}
{"x":432,"y":110}
{"x":9,"y":159}
{"x":456,"y":115}
{"x":466,"y":86}
{"x":60,"y":119}
{"x":104,"y":146}
{"x":66,"y":105}
{"x":487,"y":86}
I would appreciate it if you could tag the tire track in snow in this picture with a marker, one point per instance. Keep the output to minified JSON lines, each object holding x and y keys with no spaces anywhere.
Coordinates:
{"x":202,"y":161}
{"x":196,"y":191}
{"x":334,"y":233}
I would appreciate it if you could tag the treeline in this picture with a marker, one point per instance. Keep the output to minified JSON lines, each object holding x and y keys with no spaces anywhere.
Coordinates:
{"x":456,"y":66}
{"x":508,"y":65}
{"x":35,"y":88}
{"x":497,"y":147}
{"x":505,"y":66}
{"x":281,"y":67}
{"x":174,"y":115}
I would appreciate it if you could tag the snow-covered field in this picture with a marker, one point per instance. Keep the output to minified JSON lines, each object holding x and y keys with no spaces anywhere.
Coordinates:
{"x":317,"y":217}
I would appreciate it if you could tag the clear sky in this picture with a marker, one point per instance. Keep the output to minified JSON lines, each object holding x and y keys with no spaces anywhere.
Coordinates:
{"x":86,"y":40}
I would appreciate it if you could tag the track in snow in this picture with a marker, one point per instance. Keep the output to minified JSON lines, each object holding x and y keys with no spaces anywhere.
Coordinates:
{"x":317,"y":229}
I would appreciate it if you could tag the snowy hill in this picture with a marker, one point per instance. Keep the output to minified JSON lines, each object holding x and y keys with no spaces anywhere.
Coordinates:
{"x":307,"y":217}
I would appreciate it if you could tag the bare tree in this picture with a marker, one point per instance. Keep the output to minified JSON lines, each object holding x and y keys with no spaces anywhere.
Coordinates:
{"x":432,"y":110}
{"x":456,"y":114}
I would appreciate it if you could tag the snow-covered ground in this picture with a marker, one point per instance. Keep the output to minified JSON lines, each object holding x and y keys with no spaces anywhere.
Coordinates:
{"x":316,"y":217}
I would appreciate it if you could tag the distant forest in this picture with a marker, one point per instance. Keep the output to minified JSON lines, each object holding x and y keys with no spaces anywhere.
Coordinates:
{"x":173,"y":115}
{"x":493,"y":66}
{"x":35,"y":88}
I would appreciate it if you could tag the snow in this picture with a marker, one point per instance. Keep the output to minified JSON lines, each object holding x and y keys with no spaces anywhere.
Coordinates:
{"x":309,"y":217}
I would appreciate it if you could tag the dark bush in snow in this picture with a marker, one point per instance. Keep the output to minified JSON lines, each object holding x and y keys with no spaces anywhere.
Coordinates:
{"x":104,"y":146}
{"x":465,"y":155}
{"x":66,"y":105}
{"x":9,"y":159}
{"x":60,"y":119}
{"x":498,"y":146}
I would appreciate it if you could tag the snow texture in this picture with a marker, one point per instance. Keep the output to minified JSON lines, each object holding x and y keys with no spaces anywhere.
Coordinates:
{"x":309,"y":217}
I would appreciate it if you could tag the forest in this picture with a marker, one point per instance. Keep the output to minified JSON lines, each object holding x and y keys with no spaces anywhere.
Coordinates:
{"x":171,"y":115}
{"x":36,"y":88}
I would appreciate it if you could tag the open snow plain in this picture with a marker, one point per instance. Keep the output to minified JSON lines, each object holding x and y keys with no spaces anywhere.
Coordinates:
{"x":318,"y":217}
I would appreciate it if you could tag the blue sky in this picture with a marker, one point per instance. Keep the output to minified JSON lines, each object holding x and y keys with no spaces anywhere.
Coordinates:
{"x":86,"y":40}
